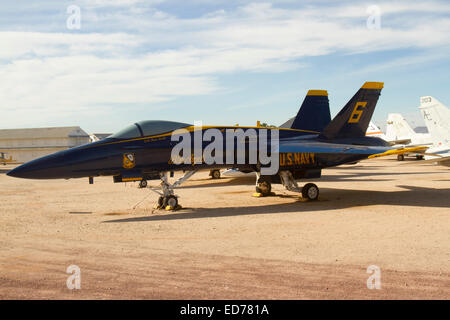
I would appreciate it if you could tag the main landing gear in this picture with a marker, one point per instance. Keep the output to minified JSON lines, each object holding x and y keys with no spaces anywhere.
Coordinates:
{"x":215,"y":174}
{"x":309,"y":191}
{"x":168,"y":200}
{"x":263,"y":186}
{"x":143,"y":184}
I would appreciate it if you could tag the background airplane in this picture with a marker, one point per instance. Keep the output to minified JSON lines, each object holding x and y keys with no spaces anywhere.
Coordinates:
{"x":4,"y":160}
{"x":437,"y":120}
{"x":374,"y":131}
{"x":400,"y":134}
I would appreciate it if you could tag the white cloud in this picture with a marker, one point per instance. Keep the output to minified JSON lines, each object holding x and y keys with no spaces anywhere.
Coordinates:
{"x":116,"y":3}
{"x":71,"y":72}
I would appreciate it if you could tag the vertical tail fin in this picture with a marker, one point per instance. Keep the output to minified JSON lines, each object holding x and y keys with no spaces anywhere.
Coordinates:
{"x":437,"y":119}
{"x":374,"y":131}
{"x":314,"y":114}
{"x":397,"y":128}
{"x":352,"y":121}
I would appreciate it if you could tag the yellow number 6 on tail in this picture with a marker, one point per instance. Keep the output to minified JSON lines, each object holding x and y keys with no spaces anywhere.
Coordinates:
{"x":357,"y":113}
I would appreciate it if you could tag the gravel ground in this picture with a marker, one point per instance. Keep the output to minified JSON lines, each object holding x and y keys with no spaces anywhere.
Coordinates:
{"x":226,"y":244}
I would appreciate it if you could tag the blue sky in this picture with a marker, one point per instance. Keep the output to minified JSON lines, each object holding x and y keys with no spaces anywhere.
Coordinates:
{"x":221,"y":62}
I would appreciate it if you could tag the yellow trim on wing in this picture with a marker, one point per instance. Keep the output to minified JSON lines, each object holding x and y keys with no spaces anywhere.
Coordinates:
{"x":398,"y":151}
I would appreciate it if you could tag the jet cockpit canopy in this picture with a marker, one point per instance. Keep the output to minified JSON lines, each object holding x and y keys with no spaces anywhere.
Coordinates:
{"x":148,"y":128}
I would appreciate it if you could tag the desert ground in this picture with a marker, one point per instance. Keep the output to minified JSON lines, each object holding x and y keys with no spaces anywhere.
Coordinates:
{"x":226,"y":244}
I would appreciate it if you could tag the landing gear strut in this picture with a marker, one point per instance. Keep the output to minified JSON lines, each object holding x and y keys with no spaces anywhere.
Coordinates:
{"x":309,"y":191}
{"x":168,"y":200}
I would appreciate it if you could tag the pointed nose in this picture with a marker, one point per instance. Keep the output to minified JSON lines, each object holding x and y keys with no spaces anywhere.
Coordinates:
{"x":16,"y":172}
{"x":47,"y":167}
{"x":29,"y":170}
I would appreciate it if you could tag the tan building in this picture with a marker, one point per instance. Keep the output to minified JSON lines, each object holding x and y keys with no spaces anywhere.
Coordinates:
{"x":28,"y":144}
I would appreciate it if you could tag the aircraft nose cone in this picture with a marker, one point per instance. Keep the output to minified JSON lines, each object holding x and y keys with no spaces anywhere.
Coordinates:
{"x":14,"y":172}
{"x":46,"y":167}
{"x":27,"y":170}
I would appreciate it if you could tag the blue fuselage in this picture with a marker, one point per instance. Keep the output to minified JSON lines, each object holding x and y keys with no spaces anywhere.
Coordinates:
{"x":152,"y":154}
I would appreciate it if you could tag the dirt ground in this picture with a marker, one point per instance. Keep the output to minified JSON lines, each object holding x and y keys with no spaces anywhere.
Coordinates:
{"x":226,"y":244}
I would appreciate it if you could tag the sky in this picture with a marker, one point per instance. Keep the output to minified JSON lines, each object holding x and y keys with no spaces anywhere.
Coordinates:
{"x":104,"y":64}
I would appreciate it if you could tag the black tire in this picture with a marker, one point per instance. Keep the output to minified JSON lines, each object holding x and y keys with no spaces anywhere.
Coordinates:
{"x":160,"y":202}
{"x":171,"y":201}
{"x":264,"y":187}
{"x":400,"y":157}
{"x":215,"y":174}
{"x":143,"y":184}
{"x":419,"y":157}
{"x":310,"y":191}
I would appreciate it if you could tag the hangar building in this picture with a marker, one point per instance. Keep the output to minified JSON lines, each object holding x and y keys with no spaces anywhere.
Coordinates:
{"x":28,"y":144}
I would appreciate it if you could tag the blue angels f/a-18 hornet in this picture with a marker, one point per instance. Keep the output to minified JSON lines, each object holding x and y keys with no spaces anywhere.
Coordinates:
{"x":145,"y":150}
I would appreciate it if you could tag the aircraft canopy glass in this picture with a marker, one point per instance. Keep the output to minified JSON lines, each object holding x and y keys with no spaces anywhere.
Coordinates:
{"x":129,"y":132}
{"x":148,"y":128}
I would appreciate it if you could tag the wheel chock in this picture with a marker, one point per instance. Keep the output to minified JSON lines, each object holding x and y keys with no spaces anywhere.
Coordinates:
{"x":170,"y":208}
{"x":260,"y":195}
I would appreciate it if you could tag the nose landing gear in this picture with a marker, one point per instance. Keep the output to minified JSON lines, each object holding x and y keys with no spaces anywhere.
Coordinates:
{"x":168,"y":200}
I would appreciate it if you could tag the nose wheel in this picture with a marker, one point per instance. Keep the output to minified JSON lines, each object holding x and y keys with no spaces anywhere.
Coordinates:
{"x":168,"y":200}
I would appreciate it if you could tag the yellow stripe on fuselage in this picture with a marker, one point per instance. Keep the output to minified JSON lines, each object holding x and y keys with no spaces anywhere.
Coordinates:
{"x":131,"y":179}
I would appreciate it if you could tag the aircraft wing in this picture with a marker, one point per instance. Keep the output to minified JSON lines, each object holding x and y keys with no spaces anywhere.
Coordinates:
{"x":324,"y":147}
{"x":399,"y":151}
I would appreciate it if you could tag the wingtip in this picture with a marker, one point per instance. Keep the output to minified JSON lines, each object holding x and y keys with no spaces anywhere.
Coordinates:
{"x":373,"y":85}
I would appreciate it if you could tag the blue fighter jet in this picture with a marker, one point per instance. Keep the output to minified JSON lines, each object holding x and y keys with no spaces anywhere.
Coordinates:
{"x":145,"y":150}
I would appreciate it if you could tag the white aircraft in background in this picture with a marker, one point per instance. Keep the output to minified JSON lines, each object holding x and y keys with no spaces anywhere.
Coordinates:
{"x":374,"y":131}
{"x":410,"y":139}
{"x":399,"y":133}
{"x":437,"y":120}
